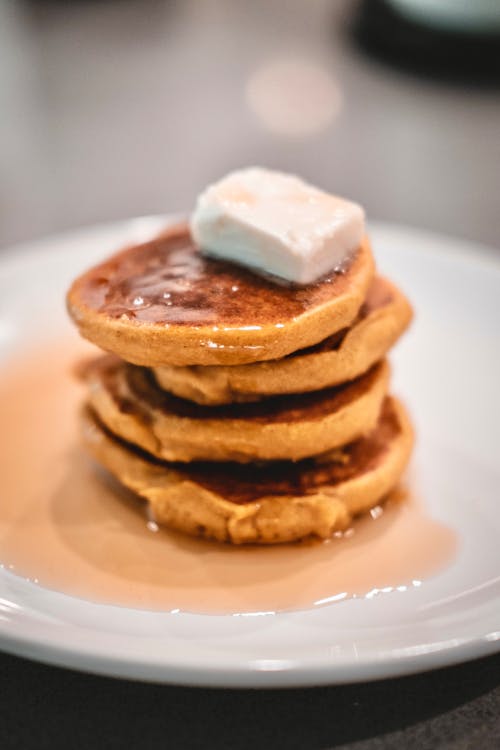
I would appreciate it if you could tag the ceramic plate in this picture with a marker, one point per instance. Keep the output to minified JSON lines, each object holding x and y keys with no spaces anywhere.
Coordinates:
{"x":447,"y":367}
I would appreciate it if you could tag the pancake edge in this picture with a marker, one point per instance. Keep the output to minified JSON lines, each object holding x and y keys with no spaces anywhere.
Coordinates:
{"x":364,"y":344}
{"x":172,"y":437}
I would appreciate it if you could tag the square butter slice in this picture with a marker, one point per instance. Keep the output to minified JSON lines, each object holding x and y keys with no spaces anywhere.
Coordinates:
{"x":277,"y":224}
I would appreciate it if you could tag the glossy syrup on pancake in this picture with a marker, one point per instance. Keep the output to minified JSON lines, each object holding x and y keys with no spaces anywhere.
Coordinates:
{"x":168,"y":281}
{"x":164,"y":303}
{"x":66,"y":527}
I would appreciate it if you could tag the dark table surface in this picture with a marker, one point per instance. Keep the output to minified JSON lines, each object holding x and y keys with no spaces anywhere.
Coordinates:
{"x":124,"y":108}
{"x":454,"y":708}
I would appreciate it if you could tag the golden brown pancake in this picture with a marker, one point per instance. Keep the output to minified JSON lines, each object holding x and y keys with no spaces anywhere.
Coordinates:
{"x":278,"y":502}
{"x":132,"y":406}
{"x":343,"y":356}
{"x":163,"y":303}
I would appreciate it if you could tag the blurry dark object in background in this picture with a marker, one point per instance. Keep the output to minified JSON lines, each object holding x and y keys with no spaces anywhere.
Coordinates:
{"x":452,"y":54}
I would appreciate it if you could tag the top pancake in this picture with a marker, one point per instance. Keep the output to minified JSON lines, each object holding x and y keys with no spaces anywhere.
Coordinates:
{"x":162,"y":302}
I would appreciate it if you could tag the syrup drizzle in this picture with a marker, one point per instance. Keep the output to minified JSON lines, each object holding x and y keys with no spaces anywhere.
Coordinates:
{"x":70,"y":527}
{"x":168,"y":281}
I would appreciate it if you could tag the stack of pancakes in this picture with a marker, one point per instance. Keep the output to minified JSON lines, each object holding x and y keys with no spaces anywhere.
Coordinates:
{"x":240,"y":407}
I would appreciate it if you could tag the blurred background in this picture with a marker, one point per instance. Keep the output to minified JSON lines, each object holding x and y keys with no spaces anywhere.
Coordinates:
{"x":121,"y":108}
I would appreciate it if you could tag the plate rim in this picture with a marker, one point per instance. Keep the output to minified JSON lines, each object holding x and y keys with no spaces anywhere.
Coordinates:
{"x":249,"y":674}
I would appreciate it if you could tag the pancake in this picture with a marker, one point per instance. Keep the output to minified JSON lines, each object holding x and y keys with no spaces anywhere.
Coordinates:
{"x":163,"y":303}
{"x":268,"y":504}
{"x":345,"y":355}
{"x":131,"y":405}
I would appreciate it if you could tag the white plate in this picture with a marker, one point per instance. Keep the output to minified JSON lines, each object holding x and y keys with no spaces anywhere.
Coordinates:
{"x":448,"y":368}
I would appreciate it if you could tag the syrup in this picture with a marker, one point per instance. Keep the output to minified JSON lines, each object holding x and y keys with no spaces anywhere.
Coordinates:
{"x":68,"y":526}
{"x":168,"y":281}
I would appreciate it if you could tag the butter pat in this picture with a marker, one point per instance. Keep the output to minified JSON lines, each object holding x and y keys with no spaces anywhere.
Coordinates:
{"x":275,"y":223}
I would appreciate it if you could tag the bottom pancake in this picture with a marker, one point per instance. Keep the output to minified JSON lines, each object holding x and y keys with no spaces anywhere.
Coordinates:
{"x":268,"y":503}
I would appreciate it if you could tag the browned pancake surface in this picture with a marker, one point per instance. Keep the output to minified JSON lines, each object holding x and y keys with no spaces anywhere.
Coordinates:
{"x":164,"y":303}
{"x":168,"y":281}
{"x":244,"y":483}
